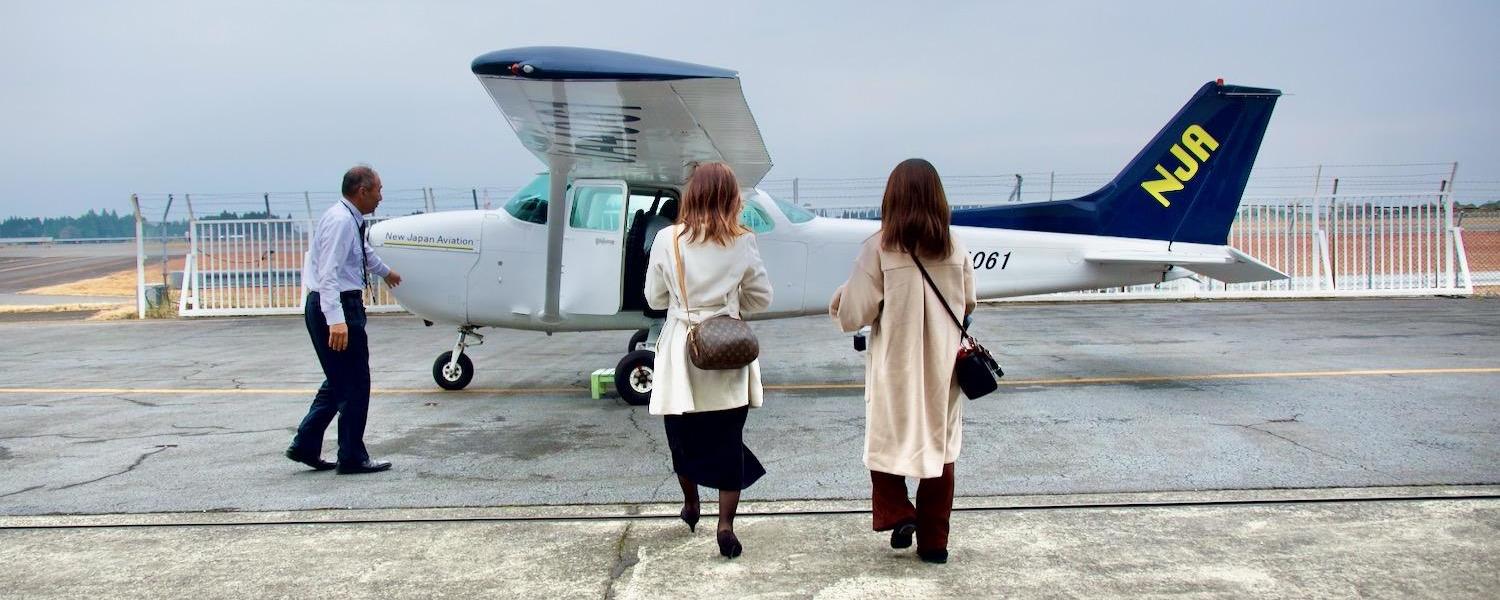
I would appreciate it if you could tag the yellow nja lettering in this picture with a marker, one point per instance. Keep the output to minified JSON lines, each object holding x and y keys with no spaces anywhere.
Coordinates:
{"x":1189,"y":166}
{"x":1167,"y":183}
{"x":1194,"y":139}
{"x":1198,"y":140}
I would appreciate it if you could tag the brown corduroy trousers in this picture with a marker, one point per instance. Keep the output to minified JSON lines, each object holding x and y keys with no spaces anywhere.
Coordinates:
{"x":892,"y":507}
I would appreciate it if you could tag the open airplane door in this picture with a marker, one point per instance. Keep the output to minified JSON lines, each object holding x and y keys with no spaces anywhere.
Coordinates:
{"x":593,"y":247}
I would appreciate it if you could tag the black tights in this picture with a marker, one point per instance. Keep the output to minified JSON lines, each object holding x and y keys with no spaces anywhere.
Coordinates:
{"x":729,"y":502}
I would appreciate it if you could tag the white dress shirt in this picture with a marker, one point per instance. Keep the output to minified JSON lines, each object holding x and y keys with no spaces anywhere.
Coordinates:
{"x":333,"y":259}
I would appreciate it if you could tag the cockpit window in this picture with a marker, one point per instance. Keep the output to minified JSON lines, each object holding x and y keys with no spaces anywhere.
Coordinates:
{"x":755,"y":217}
{"x":530,"y":204}
{"x":794,"y":213}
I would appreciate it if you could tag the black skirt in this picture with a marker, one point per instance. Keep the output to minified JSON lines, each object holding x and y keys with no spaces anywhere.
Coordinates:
{"x":709,"y":449}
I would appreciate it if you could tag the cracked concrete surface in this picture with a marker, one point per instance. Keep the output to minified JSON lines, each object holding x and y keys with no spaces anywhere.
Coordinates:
{"x":1340,"y":547}
{"x":480,"y":449}
{"x":138,"y":461}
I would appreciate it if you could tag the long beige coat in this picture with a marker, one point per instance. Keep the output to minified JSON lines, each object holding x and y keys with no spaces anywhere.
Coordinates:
{"x":721,"y":280}
{"x":913,"y":412}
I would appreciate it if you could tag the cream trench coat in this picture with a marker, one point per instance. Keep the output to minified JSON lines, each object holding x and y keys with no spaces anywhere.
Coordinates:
{"x":913,"y":414}
{"x":721,"y":280}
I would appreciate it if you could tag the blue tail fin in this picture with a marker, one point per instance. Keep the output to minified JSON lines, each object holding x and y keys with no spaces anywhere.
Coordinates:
{"x":1184,"y":186}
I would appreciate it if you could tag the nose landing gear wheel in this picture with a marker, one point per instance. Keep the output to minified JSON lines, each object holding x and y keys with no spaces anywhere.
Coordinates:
{"x":633,"y":377}
{"x":450,"y":376}
{"x":640,"y":336}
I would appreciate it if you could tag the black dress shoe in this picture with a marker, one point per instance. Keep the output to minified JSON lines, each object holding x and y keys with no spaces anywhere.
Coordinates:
{"x":936,"y":557}
{"x":729,"y":544}
{"x":316,"y":463}
{"x":901,"y":535}
{"x":369,"y":466}
{"x":690,"y":517}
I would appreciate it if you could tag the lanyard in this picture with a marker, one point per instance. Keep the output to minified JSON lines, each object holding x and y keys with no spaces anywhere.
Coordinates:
{"x":364,"y":259}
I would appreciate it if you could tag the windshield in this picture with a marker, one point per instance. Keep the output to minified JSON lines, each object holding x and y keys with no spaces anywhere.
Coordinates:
{"x":794,"y":213}
{"x":530,"y":203}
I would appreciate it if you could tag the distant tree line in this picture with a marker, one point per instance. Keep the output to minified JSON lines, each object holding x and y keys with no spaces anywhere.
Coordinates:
{"x":105,"y":224}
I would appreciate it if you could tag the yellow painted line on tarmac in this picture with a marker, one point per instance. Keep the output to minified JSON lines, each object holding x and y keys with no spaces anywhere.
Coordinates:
{"x":780,"y":387}
{"x":1172,"y":378}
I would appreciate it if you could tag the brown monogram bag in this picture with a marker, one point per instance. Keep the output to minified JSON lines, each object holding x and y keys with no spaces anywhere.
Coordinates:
{"x":718,"y":343}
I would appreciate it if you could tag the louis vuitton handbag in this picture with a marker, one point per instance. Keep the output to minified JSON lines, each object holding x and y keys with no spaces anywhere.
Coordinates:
{"x":717,"y":343}
{"x":977,"y":370}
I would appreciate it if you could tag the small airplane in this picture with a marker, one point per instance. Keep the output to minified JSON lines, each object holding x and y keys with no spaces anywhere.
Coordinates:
{"x":619,"y":133}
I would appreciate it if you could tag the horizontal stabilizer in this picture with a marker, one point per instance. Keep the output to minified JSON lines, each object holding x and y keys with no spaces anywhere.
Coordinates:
{"x":1228,"y":265}
{"x":1243,"y":269}
{"x":1156,"y":258}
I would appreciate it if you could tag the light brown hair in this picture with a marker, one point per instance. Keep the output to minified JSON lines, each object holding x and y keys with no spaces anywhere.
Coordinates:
{"x":711,"y":205}
{"x":914,"y":215}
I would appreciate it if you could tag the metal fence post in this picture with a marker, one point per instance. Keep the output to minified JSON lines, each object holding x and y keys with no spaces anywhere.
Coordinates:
{"x":475,"y":193}
{"x":796,"y":199}
{"x":306,"y":199}
{"x":1317,"y":228}
{"x":163,"y":227}
{"x":1448,"y":229}
{"x":140,"y":260}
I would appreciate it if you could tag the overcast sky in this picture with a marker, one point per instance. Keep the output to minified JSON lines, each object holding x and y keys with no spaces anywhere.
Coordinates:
{"x":102,"y":99}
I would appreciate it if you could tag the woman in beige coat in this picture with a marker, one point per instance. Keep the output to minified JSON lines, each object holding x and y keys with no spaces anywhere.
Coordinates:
{"x":913,"y":413}
{"x":704,"y":411}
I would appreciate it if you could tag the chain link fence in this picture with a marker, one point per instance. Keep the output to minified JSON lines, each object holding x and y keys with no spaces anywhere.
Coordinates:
{"x":163,"y":241}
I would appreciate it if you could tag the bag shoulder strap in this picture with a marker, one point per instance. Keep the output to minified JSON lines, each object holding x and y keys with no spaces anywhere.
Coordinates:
{"x":939,"y":294}
{"x":681,"y":277}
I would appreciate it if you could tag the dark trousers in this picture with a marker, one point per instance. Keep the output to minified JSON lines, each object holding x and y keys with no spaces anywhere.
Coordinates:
{"x":891,"y":507}
{"x":346,"y":385}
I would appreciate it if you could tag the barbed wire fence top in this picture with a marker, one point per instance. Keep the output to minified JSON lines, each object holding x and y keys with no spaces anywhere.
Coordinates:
{"x":838,"y":192}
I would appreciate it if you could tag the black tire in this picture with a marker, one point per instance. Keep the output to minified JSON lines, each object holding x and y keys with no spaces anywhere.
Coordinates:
{"x":633,"y":377}
{"x":640,"y":336}
{"x":452,"y":381}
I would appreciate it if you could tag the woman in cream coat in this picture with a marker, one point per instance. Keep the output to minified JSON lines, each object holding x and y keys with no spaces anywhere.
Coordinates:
{"x":705,"y":411}
{"x":913,"y":413}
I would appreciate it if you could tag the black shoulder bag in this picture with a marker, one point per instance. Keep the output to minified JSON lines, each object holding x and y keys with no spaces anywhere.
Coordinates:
{"x":976,"y":369}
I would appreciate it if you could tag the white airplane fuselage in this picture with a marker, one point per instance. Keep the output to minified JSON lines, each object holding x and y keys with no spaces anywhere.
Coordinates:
{"x":487,"y":268}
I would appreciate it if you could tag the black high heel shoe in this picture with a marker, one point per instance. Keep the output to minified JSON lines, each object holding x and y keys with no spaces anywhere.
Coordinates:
{"x":690,"y":517}
{"x":729,"y":544}
{"x":937,"y":557}
{"x":901,"y":535}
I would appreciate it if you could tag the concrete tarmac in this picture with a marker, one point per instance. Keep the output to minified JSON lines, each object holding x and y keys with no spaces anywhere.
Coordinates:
{"x":1407,"y":543}
{"x":1356,"y":441}
{"x":185,"y":416}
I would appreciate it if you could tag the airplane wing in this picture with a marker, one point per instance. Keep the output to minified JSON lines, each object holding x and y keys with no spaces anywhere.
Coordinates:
{"x":1228,"y":265}
{"x":611,"y":115}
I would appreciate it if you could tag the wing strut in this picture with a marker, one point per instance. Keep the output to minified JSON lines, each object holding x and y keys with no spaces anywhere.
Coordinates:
{"x":557,"y":214}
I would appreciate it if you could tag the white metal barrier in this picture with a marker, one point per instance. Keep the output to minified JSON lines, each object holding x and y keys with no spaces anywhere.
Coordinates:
{"x":1391,"y":245}
{"x":1370,"y":245}
{"x":252,"y":267}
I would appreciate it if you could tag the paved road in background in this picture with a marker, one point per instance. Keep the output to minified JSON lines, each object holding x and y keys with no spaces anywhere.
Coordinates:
{"x":24,"y":267}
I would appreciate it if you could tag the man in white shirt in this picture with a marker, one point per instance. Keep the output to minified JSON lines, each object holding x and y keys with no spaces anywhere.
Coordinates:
{"x":339,"y":262}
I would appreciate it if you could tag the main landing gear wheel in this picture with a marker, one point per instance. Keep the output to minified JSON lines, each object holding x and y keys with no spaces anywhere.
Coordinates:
{"x":635,"y":340}
{"x":451,"y":376}
{"x":633,"y":377}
